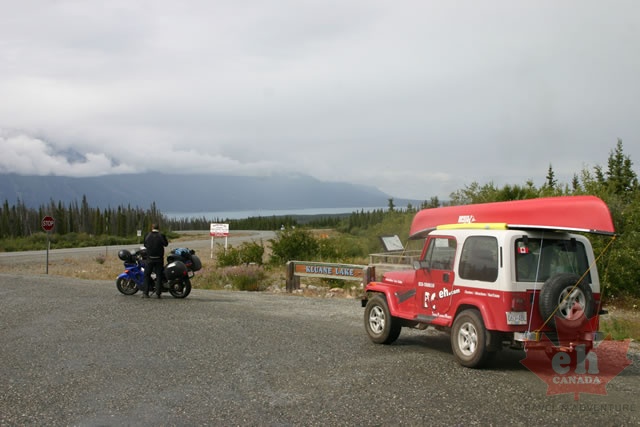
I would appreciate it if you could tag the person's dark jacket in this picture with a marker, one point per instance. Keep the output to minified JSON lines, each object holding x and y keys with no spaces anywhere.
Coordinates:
{"x":155,"y":242}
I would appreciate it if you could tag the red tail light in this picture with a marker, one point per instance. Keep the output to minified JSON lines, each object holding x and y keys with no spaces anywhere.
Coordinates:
{"x":518,"y":304}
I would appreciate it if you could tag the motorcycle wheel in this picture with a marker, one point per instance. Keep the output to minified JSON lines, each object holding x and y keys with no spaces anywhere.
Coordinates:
{"x":180,"y":288}
{"x":126,"y":286}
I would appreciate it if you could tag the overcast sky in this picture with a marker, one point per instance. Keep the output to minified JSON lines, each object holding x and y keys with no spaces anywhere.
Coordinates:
{"x":417,"y":98}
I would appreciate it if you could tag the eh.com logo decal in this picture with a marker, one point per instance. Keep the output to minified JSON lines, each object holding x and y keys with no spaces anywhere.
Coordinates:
{"x":576,"y":369}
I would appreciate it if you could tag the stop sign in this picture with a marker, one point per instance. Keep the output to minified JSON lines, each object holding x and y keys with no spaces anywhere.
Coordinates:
{"x":47,"y":223}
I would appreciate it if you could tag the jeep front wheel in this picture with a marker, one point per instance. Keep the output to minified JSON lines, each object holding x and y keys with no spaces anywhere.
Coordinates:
{"x":381,"y":327}
{"x":468,"y":339}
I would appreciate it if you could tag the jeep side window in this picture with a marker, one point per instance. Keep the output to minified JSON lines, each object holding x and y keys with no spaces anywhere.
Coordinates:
{"x":479,"y":259}
{"x":440,"y":254}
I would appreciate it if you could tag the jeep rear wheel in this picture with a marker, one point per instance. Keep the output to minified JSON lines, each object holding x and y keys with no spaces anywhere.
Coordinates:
{"x":561,"y":297}
{"x":381,"y":327}
{"x":468,"y":339}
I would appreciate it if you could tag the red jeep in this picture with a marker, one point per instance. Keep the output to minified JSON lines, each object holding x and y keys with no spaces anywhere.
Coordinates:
{"x":495,"y":274}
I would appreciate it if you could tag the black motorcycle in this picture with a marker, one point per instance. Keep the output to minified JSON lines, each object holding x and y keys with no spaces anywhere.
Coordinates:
{"x":182,"y":263}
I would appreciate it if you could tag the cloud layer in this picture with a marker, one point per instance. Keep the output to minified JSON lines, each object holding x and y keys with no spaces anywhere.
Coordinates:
{"x":417,"y":98}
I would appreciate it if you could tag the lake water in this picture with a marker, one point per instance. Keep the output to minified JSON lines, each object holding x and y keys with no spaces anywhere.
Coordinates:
{"x":267,"y":213}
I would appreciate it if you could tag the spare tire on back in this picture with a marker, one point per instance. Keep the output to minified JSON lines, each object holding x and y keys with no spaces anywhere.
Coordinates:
{"x":562,"y":298}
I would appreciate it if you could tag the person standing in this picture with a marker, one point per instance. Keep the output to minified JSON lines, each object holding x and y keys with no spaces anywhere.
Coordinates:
{"x":155,"y":242}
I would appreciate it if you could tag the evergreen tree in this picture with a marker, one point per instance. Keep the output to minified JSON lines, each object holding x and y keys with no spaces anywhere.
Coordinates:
{"x":551,"y":181}
{"x":575,"y":184}
{"x":620,"y":177}
{"x":5,"y":220}
{"x":85,"y":216}
{"x":391,"y":205}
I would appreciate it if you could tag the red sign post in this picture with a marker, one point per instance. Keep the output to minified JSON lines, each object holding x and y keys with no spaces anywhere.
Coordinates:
{"x":47,"y":225}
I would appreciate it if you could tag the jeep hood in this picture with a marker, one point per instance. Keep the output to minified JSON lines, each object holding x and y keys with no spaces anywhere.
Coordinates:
{"x":403,"y":277}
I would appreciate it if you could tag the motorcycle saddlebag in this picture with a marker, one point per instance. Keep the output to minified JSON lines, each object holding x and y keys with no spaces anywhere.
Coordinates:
{"x":174,"y":258}
{"x":196,"y":264}
{"x":175,"y":270}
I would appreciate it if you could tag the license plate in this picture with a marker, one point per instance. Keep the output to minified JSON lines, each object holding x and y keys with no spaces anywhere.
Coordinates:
{"x":516,"y":317}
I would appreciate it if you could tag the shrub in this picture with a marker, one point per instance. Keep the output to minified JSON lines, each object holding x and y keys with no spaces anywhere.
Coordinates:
{"x":343,"y":248}
{"x":245,"y":277}
{"x":229,"y":257}
{"x":292,"y":245}
{"x":251,"y":253}
{"x":247,"y":253}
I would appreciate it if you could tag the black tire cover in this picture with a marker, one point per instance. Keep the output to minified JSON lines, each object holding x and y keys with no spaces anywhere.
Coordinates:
{"x":550,"y":299}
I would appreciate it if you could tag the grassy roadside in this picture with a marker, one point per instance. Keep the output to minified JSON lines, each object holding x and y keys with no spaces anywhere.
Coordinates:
{"x":622,"y":322}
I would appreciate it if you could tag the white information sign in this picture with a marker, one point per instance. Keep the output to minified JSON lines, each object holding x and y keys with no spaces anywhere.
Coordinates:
{"x":219,"y":230}
{"x":392,"y":243}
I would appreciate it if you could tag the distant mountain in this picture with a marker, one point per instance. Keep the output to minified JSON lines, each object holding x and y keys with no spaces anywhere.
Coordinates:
{"x":190,"y":193}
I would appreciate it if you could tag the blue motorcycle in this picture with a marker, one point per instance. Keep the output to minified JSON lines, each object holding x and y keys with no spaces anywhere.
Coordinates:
{"x":132,"y":279}
{"x":176,"y":276}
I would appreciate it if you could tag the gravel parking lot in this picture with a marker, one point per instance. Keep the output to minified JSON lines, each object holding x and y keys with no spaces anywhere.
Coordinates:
{"x":76,"y":352}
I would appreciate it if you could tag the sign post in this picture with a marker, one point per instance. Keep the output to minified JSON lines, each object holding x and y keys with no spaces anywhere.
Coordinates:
{"x":219,"y":230}
{"x":47,"y":225}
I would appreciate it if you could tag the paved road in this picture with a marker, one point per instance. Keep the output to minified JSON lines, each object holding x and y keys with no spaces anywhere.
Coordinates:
{"x":201,"y":242}
{"x":76,"y":352}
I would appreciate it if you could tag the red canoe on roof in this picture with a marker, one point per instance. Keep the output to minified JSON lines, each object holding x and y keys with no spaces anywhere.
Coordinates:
{"x":572,"y":213}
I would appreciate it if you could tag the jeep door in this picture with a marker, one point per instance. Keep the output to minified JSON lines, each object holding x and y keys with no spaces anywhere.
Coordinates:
{"x":435,"y":277}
